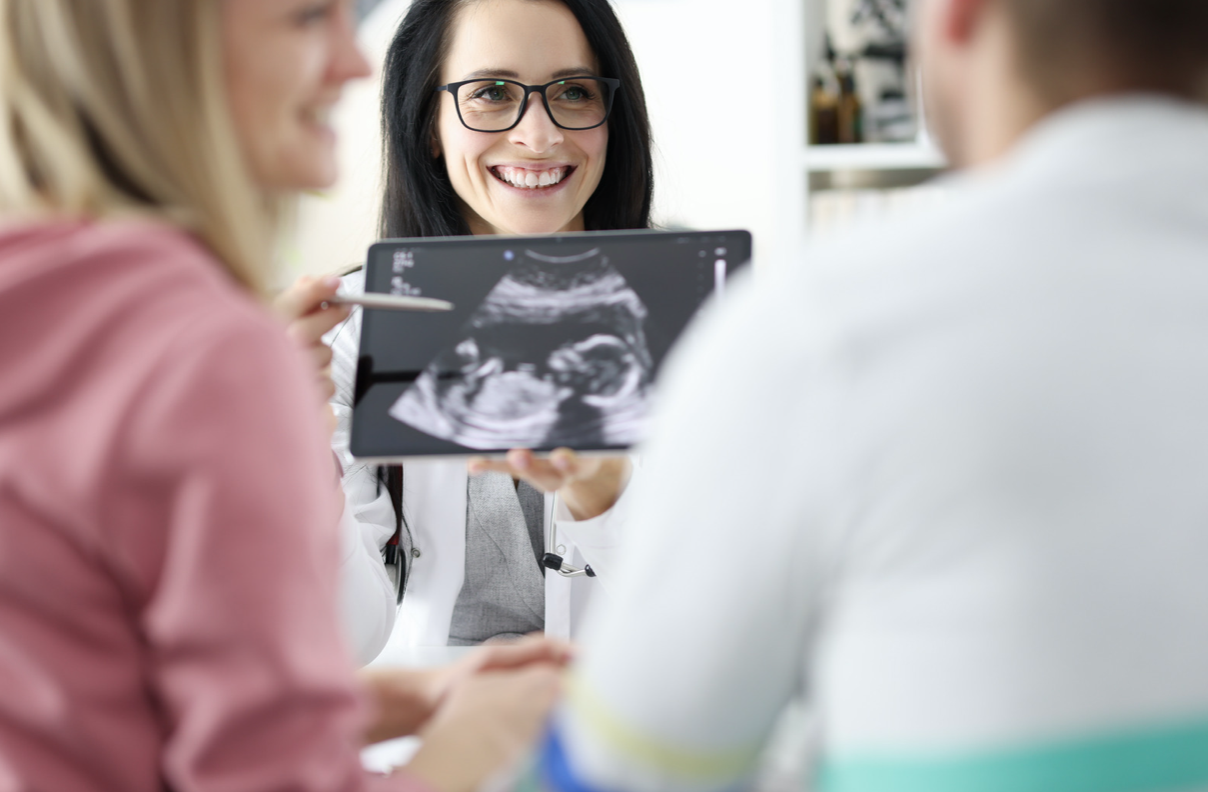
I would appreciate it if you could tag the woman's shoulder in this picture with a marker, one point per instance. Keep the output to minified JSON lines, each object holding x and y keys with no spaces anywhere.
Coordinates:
{"x":73,"y":240}
{"x":157,"y":253}
{"x":130,"y":285}
{"x":106,"y":257}
{"x":115,"y":316}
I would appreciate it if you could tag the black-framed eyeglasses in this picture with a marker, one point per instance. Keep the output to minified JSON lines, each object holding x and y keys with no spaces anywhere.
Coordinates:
{"x":493,"y":105}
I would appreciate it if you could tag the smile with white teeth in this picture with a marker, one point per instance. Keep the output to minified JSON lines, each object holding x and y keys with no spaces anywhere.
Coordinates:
{"x":527,"y":179}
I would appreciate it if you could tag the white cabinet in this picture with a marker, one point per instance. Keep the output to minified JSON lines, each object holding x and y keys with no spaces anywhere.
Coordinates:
{"x":872,"y":157}
{"x":727,"y":83}
{"x":844,"y":182}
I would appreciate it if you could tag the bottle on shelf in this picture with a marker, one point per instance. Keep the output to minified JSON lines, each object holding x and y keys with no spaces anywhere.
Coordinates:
{"x":850,"y":110}
{"x":824,"y":113}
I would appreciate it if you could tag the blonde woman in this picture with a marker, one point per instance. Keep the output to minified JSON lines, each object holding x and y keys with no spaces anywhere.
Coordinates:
{"x":167,"y":509}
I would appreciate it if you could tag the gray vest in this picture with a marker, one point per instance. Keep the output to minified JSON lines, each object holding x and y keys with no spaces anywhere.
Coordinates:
{"x":503,"y":594}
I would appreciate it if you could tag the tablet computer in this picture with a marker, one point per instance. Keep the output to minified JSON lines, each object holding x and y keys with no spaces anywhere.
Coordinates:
{"x":552,"y":341}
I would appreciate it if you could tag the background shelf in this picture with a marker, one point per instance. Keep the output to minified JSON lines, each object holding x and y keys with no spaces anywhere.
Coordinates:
{"x":872,"y":156}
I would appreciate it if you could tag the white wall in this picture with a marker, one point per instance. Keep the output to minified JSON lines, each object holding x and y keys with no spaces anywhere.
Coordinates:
{"x":720,"y":99}
{"x":708,"y":69}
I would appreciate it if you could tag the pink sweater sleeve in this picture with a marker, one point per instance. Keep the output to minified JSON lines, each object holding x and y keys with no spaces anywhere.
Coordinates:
{"x":237,"y":592}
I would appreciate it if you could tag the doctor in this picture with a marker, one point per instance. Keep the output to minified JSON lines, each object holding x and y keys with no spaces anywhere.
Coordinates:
{"x":472,"y":534}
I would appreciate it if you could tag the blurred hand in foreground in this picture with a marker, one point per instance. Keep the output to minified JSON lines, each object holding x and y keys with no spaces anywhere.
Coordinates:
{"x":406,"y":699}
{"x":486,"y":725}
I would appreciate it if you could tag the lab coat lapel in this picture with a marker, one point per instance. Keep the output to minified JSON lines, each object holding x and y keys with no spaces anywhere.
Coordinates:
{"x":434,"y":500}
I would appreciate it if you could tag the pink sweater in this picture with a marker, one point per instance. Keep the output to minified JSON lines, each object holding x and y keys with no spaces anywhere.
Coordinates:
{"x":168,"y":545}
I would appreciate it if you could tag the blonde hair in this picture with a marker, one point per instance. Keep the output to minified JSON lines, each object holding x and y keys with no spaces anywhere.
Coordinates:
{"x":112,"y":108}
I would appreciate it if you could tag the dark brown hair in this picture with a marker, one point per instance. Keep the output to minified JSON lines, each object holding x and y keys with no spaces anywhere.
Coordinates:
{"x":1070,"y":47}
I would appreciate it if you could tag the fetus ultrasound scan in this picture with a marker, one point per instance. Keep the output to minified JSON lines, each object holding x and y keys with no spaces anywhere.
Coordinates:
{"x":553,"y":341}
{"x":555,"y":356}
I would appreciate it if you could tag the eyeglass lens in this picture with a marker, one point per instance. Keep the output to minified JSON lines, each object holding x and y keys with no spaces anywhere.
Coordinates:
{"x":494,"y":105}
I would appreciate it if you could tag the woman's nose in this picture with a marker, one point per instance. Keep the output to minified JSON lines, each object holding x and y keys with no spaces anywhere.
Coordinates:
{"x":536,"y":130}
{"x":352,"y":64}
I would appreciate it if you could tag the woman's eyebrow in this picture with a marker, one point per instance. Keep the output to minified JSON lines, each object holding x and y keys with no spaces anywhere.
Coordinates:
{"x":502,"y":73}
{"x":578,"y":71}
{"x":506,"y":74}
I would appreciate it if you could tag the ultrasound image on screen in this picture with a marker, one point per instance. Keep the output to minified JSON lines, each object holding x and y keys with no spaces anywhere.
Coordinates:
{"x":552,"y":340}
{"x":556,"y":355}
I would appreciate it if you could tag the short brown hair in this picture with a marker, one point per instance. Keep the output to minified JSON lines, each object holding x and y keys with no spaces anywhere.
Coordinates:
{"x":1067,"y":46}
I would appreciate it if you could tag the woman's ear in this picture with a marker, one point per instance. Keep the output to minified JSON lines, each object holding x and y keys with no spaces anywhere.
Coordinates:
{"x":435,"y":144}
{"x":963,"y":19}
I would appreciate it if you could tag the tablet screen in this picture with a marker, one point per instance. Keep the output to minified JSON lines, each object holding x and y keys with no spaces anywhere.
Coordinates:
{"x":553,"y":341}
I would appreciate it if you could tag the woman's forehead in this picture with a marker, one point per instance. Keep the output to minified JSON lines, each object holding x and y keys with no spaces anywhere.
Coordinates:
{"x":532,"y":41}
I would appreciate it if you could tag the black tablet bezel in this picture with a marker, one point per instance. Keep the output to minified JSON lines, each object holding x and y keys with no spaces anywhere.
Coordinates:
{"x":735,"y":243}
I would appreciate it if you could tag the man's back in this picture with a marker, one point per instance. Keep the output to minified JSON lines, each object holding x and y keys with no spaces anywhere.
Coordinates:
{"x":971,"y":455}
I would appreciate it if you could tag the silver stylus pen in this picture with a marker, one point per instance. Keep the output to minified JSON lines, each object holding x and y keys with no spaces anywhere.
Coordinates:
{"x":392,"y":302}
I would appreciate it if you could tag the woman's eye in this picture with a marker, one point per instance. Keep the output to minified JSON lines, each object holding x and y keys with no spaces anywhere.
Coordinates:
{"x":575,"y":93}
{"x":493,"y":94}
{"x":315,"y":13}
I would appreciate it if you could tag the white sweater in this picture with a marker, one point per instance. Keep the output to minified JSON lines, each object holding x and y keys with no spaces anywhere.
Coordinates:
{"x":972,"y":458}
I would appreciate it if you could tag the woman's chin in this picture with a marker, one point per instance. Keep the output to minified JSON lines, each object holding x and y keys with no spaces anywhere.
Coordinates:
{"x":537,"y":224}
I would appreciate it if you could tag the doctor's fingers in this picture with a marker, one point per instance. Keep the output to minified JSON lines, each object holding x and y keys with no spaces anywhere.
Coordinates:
{"x":561,"y":468}
{"x":327,"y":386}
{"x":320,"y":356}
{"x":522,"y":464}
{"x":574,"y":466}
{"x":311,"y":328}
{"x":305,"y":296}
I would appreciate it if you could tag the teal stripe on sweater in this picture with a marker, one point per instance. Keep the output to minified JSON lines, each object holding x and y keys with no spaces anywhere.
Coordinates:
{"x":1154,"y":760}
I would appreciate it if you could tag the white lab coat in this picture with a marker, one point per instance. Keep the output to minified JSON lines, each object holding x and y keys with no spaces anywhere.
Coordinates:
{"x":434,"y":502}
